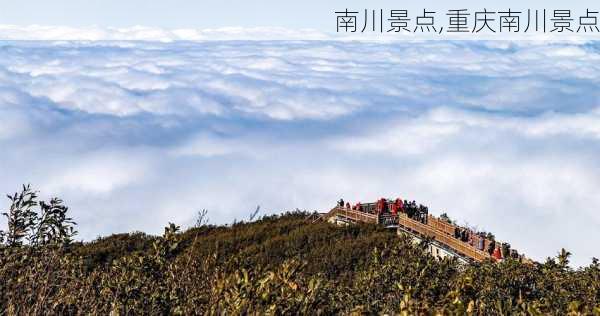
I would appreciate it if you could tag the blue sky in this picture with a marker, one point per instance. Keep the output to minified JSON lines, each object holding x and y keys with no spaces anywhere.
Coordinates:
{"x":221,"y":13}
{"x":502,"y":135}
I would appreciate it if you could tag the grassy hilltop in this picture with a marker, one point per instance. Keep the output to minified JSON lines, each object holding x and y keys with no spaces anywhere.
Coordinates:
{"x":276,"y":265}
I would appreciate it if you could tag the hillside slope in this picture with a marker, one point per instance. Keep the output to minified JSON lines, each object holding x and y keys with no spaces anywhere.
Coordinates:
{"x":280,"y":265}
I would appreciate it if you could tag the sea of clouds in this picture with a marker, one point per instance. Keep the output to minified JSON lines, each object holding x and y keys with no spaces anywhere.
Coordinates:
{"x":132,"y":135}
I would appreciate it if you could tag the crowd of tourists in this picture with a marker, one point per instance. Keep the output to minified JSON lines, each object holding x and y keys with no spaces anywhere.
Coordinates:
{"x":418,"y":212}
{"x":394,"y":207}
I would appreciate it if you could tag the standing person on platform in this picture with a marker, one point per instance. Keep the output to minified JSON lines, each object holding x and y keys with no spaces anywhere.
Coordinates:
{"x":480,"y":243}
{"x":497,"y":253}
{"x":425,"y":214}
{"x":491,"y":247}
{"x":400,"y":205}
{"x":358,"y":207}
{"x":394,"y":208}
{"x":381,"y":206}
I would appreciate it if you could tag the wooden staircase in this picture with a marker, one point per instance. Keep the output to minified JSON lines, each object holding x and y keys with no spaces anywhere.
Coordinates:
{"x":441,"y":236}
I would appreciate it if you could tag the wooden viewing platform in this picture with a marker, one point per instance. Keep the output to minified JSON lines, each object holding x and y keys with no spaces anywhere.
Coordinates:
{"x":438,"y":230}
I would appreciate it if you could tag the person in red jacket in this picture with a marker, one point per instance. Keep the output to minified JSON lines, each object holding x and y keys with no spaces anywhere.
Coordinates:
{"x":399,"y":206}
{"x":497,"y":254}
{"x":381,"y":206}
{"x":394,"y":208}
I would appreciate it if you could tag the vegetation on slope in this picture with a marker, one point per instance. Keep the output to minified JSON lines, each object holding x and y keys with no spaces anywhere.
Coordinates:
{"x":276,"y":265}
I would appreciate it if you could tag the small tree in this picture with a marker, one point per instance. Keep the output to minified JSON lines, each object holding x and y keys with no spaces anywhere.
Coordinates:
{"x":253,"y":215}
{"x":563,"y":258}
{"x":49,"y":225}
{"x":201,"y":218}
{"x":20,"y":216}
{"x":166,"y":246}
{"x":53,"y":225}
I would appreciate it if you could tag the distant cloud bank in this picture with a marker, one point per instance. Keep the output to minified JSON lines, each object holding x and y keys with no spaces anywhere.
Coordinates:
{"x":146,"y":33}
{"x":143,"y":33}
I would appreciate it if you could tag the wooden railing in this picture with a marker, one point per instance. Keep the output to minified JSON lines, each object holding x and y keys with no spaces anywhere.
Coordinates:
{"x":354,"y":215}
{"x":442,"y":237}
{"x":441,"y":225}
{"x":448,"y":228}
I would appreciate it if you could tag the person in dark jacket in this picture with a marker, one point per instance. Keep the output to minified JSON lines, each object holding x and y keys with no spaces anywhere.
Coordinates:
{"x":425,"y":214}
{"x":410,"y":211}
{"x":492,"y":247}
{"x":514,"y":254}
{"x":505,"y":250}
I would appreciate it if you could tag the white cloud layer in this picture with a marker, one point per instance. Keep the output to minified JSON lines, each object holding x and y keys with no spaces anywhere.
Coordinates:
{"x":132,"y":135}
{"x":145,"y":33}
{"x":263,"y":33}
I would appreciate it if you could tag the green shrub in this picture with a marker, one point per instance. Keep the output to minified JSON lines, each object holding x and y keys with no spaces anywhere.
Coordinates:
{"x":280,"y":264}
